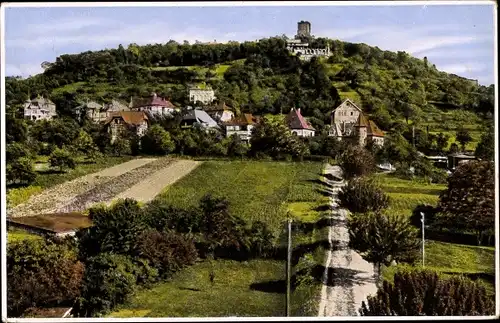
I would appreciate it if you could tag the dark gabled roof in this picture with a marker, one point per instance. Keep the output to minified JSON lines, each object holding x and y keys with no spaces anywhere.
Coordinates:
{"x":151,"y":101}
{"x":295,"y":120}
{"x":372,"y":128}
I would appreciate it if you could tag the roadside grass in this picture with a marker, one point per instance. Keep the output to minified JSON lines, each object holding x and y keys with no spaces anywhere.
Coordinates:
{"x":257,"y":190}
{"x":48,"y":178}
{"x":445,"y":258}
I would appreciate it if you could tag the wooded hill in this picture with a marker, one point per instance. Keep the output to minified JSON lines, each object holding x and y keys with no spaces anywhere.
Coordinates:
{"x":263,"y":77}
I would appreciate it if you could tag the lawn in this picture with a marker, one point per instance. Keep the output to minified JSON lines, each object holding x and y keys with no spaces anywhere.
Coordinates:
{"x":262,"y":191}
{"x":15,"y":235}
{"x":47,"y":178}
{"x":446,"y":258}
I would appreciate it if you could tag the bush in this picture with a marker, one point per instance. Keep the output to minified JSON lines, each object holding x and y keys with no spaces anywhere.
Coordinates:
{"x":161,"y":216}
{"x":261,"y":239}
{"x":108,"y":281}
{"x":168,"y":252}
{"x":15,"y":151}
{"x":41,"y":273}
{"x":429,"y":211}
{"x":416,"y":293}
{"x":62,"y":159}
{"x":356,"y":161}
{"x":121,"y":147}
{"x":362,"y":195}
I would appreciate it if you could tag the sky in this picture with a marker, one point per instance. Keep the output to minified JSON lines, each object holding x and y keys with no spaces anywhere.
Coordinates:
{"x":459,"y":39}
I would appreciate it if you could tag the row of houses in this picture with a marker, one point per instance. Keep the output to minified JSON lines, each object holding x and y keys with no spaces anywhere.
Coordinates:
{"x":348,"y":120}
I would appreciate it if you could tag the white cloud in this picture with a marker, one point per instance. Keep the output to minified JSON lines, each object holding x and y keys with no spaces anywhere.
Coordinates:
{"x":23,"y":70}
{"x":465,"y":68}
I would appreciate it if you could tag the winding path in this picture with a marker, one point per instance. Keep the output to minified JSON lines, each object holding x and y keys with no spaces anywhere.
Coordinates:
{"x":348,"y":279}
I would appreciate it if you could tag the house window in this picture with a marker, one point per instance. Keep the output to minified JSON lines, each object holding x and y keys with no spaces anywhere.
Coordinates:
{"x":352,"y":113}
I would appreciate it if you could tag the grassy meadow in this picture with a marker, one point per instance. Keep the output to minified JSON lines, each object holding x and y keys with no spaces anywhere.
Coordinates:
{"x":264,"y":191}
{"x":446,"y":258}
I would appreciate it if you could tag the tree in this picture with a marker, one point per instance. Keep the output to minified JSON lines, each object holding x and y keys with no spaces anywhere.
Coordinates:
{"x":468,"y":203}
{"x":380,"y":238}
{"x":157,"y":141}
{"x":441,"y":142}
{"x":41,"y":273}
{"x":16,"y":130}
{"x":362,"y":195}
{"x":356,"y":161}
{"x":486,"y":147}
{"x":424,"y":292}
{"x":15,"y":151}
{"x":85,"y":145}
{"x":62,"y":159}
{"x":120,"y":147}
{"x":236,"y":147}
{"x":463,"y":137}
{"x":115,"y":229}
{"x":21,"y":171}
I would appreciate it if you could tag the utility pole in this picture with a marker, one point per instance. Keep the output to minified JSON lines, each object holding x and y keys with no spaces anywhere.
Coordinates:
{"x":288,"y":266}
{"x":413,"y":135}
{"x":423,"y":238}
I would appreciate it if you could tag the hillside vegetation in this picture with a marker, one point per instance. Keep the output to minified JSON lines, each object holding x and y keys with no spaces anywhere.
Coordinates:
{"x":261,"y":77}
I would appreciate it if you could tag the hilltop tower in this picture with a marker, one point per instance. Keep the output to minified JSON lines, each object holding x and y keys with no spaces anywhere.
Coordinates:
{"x":303,"y":29}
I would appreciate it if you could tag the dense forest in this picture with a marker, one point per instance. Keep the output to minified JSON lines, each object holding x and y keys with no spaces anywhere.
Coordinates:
{"x":262,"y":77}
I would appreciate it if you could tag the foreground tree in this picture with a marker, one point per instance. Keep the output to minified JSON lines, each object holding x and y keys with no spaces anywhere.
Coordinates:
{"x":120,"y":147}
{"x":417,"y":293}
{"x":84,"y":144}
{"x":363,"y":195}
{"x":381,"y":238}
{"x":463,"y":137}
{"x":468,"y":203}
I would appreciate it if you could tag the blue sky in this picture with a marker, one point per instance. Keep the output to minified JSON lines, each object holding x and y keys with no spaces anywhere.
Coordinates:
{"x":457,"y":38}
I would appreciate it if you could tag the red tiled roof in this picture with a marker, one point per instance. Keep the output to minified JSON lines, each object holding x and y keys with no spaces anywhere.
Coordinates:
{"x":130,"y":117}
{"x":152,"y":101}
{"x":295,"y":120}
{"x":243,"y":120}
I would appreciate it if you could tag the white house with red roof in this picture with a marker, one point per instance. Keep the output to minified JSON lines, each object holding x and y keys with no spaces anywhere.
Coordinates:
{"x":153,"y":105}
{"x":299,"y":125}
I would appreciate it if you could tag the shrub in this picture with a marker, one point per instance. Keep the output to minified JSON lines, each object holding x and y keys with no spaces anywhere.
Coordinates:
{"x":416,"y":293}
{"x":108,"y":281}
{"x":121,"y":147}
{"x":356,"y":161}
{"x":429,"y":211}
{"x":168,"y":252}
{"x":261,"y":239}
{"x":362,"y":195}
{"x":41,"y":273}
{"x":161,"y":216}
{"x":381,"y":238}
{"x":15,"y":151}
{"x":62,"y":159}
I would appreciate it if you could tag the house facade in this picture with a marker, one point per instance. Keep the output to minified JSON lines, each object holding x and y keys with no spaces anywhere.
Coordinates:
{"x":299,"y":125}
{"x":122,"y":121}
{"x":206,"y":96}
{"x":39,"y":109}
{"x":241,"y":126}
{"x":350,"y":123}
{"x":153,"y":105}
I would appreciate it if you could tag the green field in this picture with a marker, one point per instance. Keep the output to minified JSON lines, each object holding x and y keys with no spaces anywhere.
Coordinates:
{"x":443,"y":257}
{"x":47,"y":178}
{"x":256,"y":191}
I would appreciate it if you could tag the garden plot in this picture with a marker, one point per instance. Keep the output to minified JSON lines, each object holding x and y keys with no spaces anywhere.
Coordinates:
{"x":112,"y":187}
{"x":147,"y":189}
{"x":52,"y":198}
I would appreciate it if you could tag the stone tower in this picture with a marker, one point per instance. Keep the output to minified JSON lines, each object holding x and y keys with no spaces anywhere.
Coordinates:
{"x":303,"y":29}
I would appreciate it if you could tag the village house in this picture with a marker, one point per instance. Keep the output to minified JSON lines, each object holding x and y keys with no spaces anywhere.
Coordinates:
{"x":241,"y":126}
{"x":101,"y":112}
{"x":197,"y":117}
{"x":205,"y":96}
{"x":153,"y":105}
{"x":299,"y":125}
{"x":350,"y":123}
{"x":219,"y":112}
{"x":39,"y":109}
{"x":121,"y":121}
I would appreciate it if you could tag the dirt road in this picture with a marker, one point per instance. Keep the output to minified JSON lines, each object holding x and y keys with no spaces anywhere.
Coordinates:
{"x":348,"y":279}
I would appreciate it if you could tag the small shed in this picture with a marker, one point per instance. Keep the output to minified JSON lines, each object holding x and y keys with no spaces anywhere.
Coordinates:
{"x":456,"y":159}
{"x":56,"y":224}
